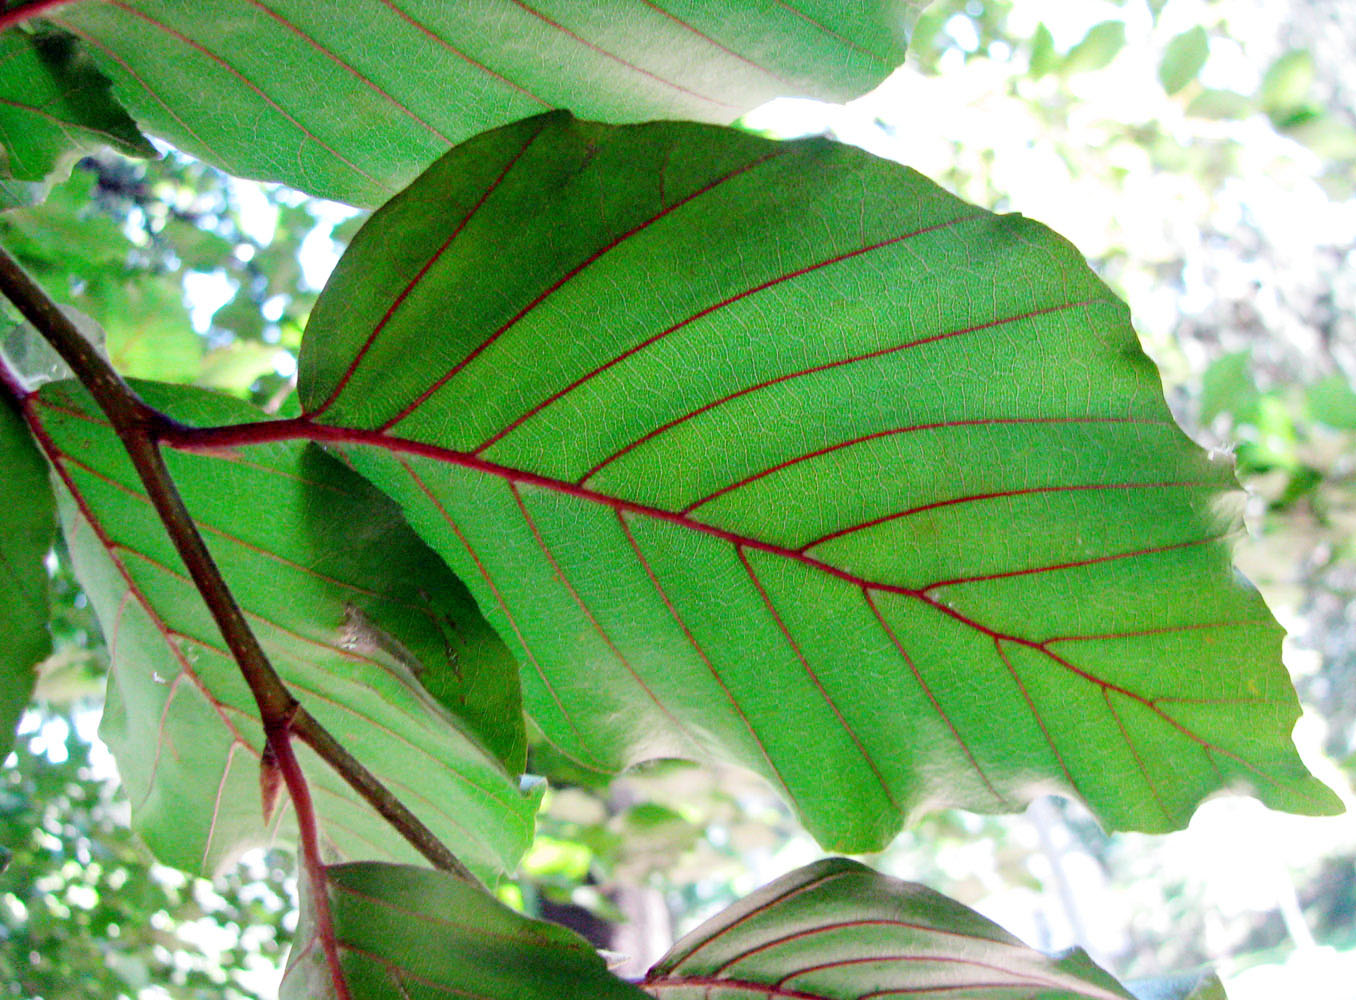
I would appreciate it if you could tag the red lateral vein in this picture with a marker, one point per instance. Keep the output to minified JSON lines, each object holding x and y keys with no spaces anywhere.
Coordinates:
{"x":416,"y":280}
{"x":837,"y":925}
{"x":444,"y":43}
{"x":503,"y":605}
{"x":723,"y":48}
{"x":932,"y":698}
{"x":708,"y":310}
{"x":1072,"y":564}
{"x":620,"y":61}
{"x":556,"y":285}
{"x":842,"y":963}
{"x":995,"y":495}
{"x":829,"y":31}
{"x":701,"y":653}
{"x":826,"y":366}
{"x":352,"y":71}
{"x":814,"y":678}
{"x":250,"y":85}
{"x":911,"y":429}
{"x":1134,"y":753}
{"x":1165,"y":630}
{"x":222,"y":161}
{"x":1035,"y":714}
{"x":559,"y":574}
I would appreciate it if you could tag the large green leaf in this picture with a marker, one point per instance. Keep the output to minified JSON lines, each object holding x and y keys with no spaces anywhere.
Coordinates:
{"x":410,"y":933}
{"x":350,"y":100}
{"x":779,"y":453}
{"x":54,"y":106}
{"x":25,"y":536}
{"x":837,"y":930}
{"x":351,"y":608}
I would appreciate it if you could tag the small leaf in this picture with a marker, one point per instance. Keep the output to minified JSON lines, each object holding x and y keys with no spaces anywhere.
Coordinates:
{"x":55,"y":106}
{"x":350,"y":100}
{"x":1287,"y":83}
{"x":1228,"y":387}
{"x":778,"y":453}
{"x":1199,"y":987}
{"x":26,"y":534}
{"x":1045,"y":57}
{"x":302,"y":542}
{"x":836,"y":930}
{"x":1183,"y":58}
{"x":1220,"y":105}
{"x":1333,"y":402}
{"x":1097,"y":49}
{"x":413,"y":934}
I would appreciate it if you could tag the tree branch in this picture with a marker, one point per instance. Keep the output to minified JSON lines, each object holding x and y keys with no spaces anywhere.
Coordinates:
{"x":140,"y":428}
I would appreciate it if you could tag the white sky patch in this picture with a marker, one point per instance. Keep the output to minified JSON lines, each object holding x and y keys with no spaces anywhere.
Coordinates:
{"x":205,"y":293}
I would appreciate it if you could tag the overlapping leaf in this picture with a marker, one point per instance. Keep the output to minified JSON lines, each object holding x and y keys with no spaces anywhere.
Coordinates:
{"x":837,"y":930}
{"x":25,"y":536}
{"x":54,"y":105}
{"x":350,"y":100}
{"x":782,"y":454}
{"x":353,"y":611}
{"x":410,"y":933}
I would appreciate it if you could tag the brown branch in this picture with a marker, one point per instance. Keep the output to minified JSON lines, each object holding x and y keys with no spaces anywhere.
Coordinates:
{"x":140,"y":428}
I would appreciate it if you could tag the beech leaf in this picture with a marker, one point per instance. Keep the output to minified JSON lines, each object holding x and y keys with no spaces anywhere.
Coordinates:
{"x":25,"y":536}
{"x":350,"y":100}
{"x":304,"y":544}
{"x":836,"y":930}
{"x":410,"y":933}
{"x":780,"y":454}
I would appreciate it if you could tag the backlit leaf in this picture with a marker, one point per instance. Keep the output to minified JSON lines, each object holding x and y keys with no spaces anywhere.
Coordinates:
{"x":778,"y":453}
{"x":410,"y":933}
{"x":55,"y":106}
{"x":25,"y":536}
{"x":350,"y":100}
{"x":1183,"y":59}
{"x":353,"y":611}
{"x":836,"y":930}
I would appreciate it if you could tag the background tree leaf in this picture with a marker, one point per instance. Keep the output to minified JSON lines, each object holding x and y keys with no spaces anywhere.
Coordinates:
{"x":55,"y":105}
{"x":836,"y":930}
{"x":353,"y":611}
{"x":849,"y":479}
{"x":1183,"y":58}
{"x":410,"y":933}
{"x":350,"y":101}
{"x":25,"y":537}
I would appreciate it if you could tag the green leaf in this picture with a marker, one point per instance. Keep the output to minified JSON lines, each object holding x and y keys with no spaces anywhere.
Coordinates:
{"x":1220,"y":105}
{"x":25,"y":537}
{"x":1045,"y":57}
{"x":1228,"y":387}
{"x":780,"y":454}
{"x":55,"y":106}
{"x":1183,"y":58}
{"x":1333,"y":402}
{"x":353,"y":611}
{"x":836,"y":930}
{"x":1287,"y":83}
{"x":413,"y":934}
{"x":350,"y":100}
{"x":1097,"y":49}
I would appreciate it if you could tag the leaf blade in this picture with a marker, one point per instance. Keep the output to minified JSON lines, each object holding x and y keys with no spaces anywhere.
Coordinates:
{"x":406,"y":80}
{"x":913,"y":450}
{"x":30,"y":525}
{"x":318,"y":564}
{"x":836,"y":930}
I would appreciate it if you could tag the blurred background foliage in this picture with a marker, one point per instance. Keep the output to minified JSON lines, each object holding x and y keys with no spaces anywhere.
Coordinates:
{"x":1203,"y":156}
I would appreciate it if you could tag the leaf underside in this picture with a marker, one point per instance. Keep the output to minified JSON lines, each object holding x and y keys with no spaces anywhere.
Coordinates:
{"x":781,"y":454}
{"x":836,"y":930}
{"x":54,"y":106}
{"x":348,"y":605}
{"x":351,"y":100}
{"x":25,"y":536}
{"x":408,"y":933}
